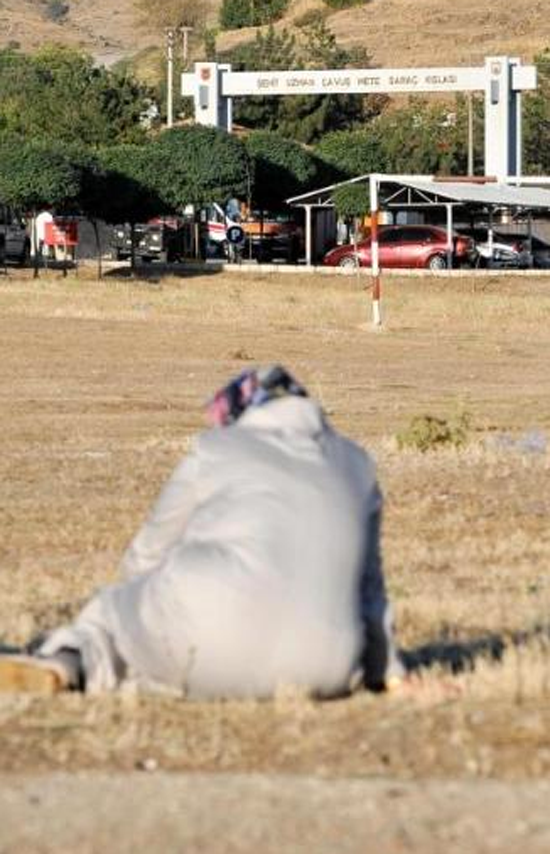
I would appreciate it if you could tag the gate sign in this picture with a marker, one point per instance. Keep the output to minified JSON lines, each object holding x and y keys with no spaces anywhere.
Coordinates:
{"x":501,"y":78}
{"x":358,"y":81}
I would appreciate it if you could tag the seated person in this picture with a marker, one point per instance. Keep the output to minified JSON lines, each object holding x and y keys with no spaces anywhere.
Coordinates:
{"x":258,"y":567}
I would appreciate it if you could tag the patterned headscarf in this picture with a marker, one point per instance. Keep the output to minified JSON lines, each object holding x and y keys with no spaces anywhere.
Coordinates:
{"x":253,"y":387}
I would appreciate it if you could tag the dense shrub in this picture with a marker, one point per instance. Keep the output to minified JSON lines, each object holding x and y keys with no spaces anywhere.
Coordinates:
{"x":56,"y":10}
{"x":426,"y":432}
{"x":235,"y":14}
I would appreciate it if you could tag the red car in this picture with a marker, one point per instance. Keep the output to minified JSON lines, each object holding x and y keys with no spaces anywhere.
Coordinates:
{"x":406,"y":246}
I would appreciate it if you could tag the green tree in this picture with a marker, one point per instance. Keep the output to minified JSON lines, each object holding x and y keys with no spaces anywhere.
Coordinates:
{"x":268,"y":50}
{"x":59,"y":94}
{"x":198,"y":165}
{"x":281,"y":167}
{"x":98,"y":191}
{"x":352,"y":200}
{"x":122,"y":187}
{"x":235,"y":14}
{"x":303,"y":117}
{"x":308,"y":117}
{"x":353,"y":152}
{"x":536,"y":126}
{"x":35,"y":175}
{"x":422,"y":138}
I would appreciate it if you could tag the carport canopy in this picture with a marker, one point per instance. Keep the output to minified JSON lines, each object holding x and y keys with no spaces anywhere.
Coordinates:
{"x":392,"y":192}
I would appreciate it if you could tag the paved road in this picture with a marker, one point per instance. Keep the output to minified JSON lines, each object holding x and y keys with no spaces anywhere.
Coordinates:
{"x":231,"y":814}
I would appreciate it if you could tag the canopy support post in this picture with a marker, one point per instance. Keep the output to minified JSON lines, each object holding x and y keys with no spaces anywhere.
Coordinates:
{"x":449,"y":236}
{"x":375,"y":251}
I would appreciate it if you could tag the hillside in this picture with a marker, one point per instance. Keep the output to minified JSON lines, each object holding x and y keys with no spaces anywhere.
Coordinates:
{"x":395,"y":32}
{"x":103,"y":28}
{"x":446,"y":32}
{"x":107,"y":28}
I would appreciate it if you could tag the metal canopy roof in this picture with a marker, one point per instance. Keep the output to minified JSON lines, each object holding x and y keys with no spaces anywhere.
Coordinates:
{"x":428,"y":190}
{"x":323,"y":196}
{"x":497,"y":195}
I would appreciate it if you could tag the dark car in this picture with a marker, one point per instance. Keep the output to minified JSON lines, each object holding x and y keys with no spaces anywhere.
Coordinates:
{"x":406,"y":246}
{"x":537,"y":249}
{"x":160,"y":239}
{"x":14,"y":236}
{"x":272,"y":237}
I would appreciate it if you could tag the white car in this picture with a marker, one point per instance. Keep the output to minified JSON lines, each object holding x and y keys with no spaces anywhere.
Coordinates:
{"x":505,"y":250}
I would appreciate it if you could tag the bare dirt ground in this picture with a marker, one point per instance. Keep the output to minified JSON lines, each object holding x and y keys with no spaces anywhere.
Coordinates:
{"x":234,"y":813}
{"x":101,"y":389}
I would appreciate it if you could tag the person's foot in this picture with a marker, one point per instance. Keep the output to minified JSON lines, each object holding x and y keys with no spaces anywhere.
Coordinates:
{"x":29,"y":674}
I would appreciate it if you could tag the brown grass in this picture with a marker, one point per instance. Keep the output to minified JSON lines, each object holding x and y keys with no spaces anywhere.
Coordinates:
{"x":402,"y":33}
{"x":102,"y":387}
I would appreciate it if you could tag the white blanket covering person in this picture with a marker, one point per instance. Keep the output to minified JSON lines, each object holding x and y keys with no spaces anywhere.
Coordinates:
{"x":257,"y":568}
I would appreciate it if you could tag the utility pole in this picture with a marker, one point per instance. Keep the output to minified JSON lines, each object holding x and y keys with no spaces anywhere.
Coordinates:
{"x":185,"y":33}
{"x":172,"y":33}
{"x":170,"y":42}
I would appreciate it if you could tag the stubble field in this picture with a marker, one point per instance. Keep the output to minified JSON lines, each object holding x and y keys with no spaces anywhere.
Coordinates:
{"x":102,"y":386}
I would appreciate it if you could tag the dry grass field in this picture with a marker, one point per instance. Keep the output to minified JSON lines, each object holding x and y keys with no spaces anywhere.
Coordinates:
{"x":101,"y":388}
{"x":403,"y":33}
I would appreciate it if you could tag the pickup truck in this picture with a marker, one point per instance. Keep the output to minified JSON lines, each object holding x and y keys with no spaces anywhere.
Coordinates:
{"x":267,"y":236}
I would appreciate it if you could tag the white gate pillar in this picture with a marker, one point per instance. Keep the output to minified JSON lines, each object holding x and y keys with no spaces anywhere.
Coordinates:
{"x":506,"y":79}
{"x":501,"y":130}
{"x":204,"y":85}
